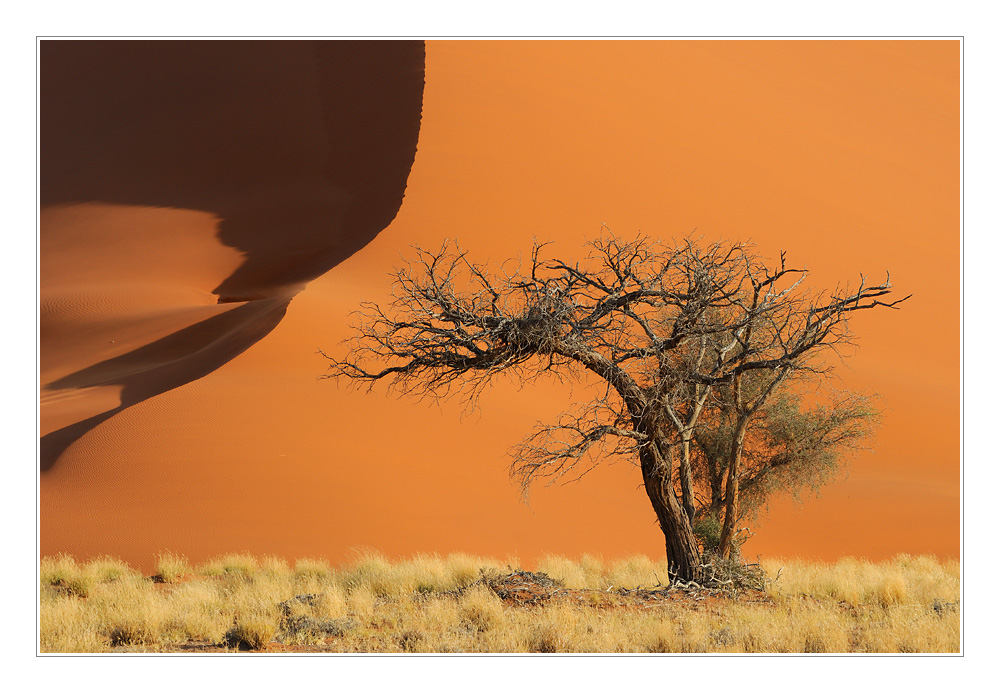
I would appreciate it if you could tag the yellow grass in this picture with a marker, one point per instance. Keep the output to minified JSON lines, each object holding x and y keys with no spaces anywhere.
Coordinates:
{"x":170,"y":567}
{"x":440,"y":604}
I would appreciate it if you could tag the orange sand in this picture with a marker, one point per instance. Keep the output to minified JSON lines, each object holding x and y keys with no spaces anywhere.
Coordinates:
{"x":845,"y":154}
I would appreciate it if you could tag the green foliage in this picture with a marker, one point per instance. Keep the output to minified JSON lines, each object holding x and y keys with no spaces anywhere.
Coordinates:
{"x":790,"y":448}
{"x":708,"y":530}
{"x":803,"y":449}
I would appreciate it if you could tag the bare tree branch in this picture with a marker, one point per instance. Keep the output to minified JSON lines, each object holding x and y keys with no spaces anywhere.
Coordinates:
{"x":669,"y":329}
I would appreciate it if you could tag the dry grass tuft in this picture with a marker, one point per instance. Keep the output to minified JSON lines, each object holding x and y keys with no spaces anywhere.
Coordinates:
{"x":250,"y":633}
{"x":411,"y":641}
{"x":481,"y":609}
{"x":108,"y":569}
{"x":56,"y":569}
{"x":170,"y":567}
{"x":230,"y":564}
{"x":461,"y":603}
{"x":312,"y":569}
{"x":63,"y":572}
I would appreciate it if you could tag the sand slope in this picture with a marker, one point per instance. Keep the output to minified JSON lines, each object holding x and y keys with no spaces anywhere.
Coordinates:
{"x":189,"y":190}
{"x":845,"y":154}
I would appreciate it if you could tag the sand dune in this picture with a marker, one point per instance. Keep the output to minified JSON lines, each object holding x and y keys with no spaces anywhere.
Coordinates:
{"x":190,"y":189}
{"x":213,"y":212}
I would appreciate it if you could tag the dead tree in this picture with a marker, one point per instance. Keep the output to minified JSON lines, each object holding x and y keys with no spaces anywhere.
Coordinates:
{"x":630,"y":315}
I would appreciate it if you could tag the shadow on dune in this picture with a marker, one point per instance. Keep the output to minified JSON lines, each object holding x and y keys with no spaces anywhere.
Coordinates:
{"x":302,"y":148}
{"x":167,"y":363}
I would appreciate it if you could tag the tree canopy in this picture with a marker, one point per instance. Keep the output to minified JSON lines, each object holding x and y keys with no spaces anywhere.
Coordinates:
{"x":693,"y":343}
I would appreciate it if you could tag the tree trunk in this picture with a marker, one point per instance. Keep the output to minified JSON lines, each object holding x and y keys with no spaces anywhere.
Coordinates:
{"x":683,"y":558}
{"x":733,"y":488}
{"x":687,"y":480}
{"x":687,"y":431}
{"x":682,"y":548}
{"x":716,"y":483}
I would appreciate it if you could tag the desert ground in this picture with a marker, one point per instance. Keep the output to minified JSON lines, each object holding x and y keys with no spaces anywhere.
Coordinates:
{"x":467,"y":604}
